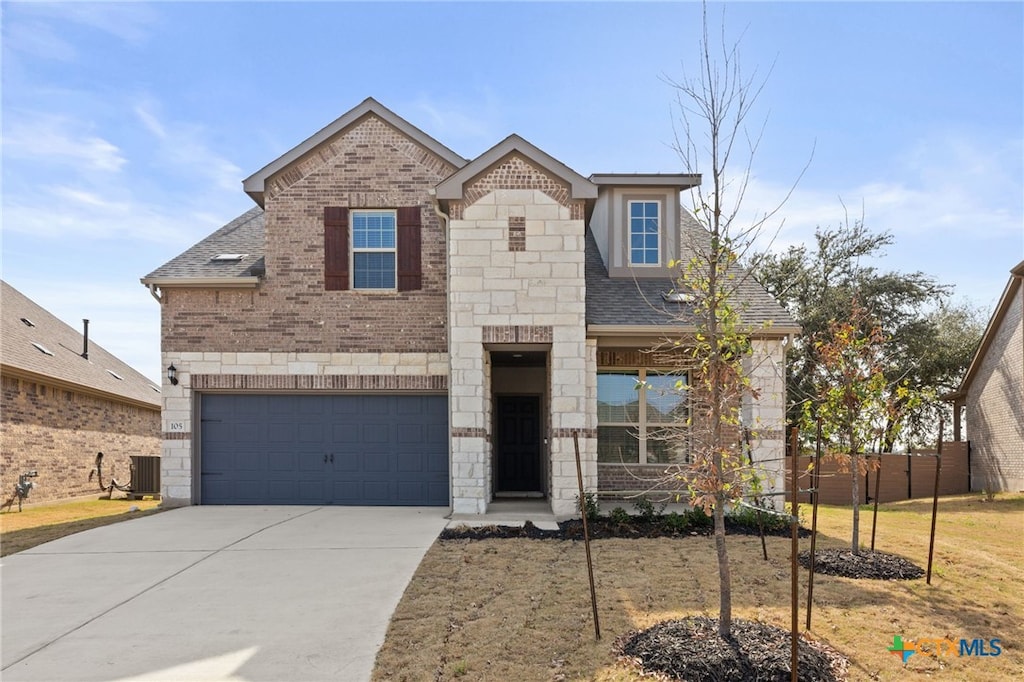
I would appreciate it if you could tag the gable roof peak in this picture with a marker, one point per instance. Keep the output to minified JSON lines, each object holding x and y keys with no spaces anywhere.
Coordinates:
{"x":255,"y":183}
{"x":453,"y":186}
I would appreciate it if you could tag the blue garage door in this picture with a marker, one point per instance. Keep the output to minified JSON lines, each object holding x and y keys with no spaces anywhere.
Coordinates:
{"x":337,"y":449}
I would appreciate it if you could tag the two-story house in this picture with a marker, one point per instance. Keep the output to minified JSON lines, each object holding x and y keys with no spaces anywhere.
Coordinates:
{"x":395,"y":324}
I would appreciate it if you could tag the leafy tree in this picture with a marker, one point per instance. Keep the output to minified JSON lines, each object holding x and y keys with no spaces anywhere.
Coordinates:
{"x":818,"y":285}
{"x":858,"y":407}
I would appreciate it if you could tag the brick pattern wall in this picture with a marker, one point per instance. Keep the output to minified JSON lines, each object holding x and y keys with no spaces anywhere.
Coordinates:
{"x":517,"y":334}
{"x":315,"y":382}
{"x":516,"y":173}
{"x":58,"y":433}
{"x":901,"y":478}
{"x":370,"y":165}
{"x":517,"y":233}
{"x":995,"y":407}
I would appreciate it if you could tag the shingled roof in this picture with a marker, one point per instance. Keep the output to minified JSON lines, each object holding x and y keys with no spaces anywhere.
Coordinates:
{"x":243,"y":236}
{"x":35,"y":343}
{"x":637,"y":302}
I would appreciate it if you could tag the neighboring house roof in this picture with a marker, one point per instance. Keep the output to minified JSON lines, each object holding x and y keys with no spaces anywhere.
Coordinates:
{"x":50,"y":349}
{"x":452,"y":187}
{"x":254,"y":184}
{"x":632,"y":303}
{"x":1009,"y":293}
{"x":243,"y":237}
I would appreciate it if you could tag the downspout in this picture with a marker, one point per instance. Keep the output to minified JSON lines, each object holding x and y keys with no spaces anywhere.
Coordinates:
{"x":445,"y":220}
{"x":154,"y":292}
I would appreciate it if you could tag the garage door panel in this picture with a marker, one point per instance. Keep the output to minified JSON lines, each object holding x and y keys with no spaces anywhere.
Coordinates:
{"x":376,"y":434}
{"x":379,"y":449}
{"x":411,"y":462}
{"x":311,"y":433}
{"x":281,"y":433}
{"x":345,"y":433}
{"x":374,"y":462}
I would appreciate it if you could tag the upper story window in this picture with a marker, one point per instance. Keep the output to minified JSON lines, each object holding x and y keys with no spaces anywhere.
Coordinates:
{"x":373,"y":249}
{"x":644,"y":233}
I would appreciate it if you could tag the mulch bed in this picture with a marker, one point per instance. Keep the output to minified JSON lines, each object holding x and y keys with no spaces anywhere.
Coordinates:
{"x":690,"y":649}
{"x":603,"y":529}
{"x":867,"y":564}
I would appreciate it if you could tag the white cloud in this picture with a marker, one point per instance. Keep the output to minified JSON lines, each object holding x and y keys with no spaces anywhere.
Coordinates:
{"x":41,"y":29}
{"x":460,"y":122}
{"x":182,"y":145}
{"x":44,"y":139}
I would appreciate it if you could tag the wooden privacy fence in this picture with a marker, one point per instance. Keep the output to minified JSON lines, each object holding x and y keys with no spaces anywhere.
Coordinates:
{"x":903,"y":476}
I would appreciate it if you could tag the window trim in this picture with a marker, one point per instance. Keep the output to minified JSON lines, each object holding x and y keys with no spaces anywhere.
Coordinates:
{"x":642,"y":426}
{"x":629,"y":232}
{"x":353,"y":250}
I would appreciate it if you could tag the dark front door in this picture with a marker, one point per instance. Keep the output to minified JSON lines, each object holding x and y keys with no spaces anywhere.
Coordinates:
{"x":518,"y":444}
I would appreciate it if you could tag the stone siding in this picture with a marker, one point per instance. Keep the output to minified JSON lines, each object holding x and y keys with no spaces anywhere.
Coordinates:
{"x":531,"y":295}
{"x":995,"y":407}
{"x":58,"y":432}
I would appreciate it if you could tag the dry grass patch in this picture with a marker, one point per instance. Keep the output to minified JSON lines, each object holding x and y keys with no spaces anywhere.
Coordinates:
{"x":519,"y":609}
{"x":35,"y":525}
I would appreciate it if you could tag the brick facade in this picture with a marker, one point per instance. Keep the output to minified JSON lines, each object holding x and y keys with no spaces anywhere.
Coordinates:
{"x":58,"y":432}
{"x":369,"y":165}
{"x":995,"y":407}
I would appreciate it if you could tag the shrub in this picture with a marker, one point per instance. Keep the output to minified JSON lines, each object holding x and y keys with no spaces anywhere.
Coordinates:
{"x":745,"y":516}
{"x":646,"y":510}
{"x":619,"y":515}
{"x":676,"y":522}
{"x":590,"y":504}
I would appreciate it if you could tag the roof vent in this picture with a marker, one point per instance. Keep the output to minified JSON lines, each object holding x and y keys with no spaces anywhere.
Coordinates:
{"x":115,"y":375}
{"x":228,"y":257}
{"x":28,"y":322}
{"x":42,"y":349}
{"x":677,"y":297}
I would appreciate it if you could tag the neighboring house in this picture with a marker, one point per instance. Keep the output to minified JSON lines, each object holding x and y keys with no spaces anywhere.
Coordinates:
{"x":993,"y":393}
{"x":395,"y":324}
{"x":65,"y":399}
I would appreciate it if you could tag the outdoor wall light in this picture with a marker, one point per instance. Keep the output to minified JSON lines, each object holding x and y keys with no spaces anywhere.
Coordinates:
{"x":172,"y":375}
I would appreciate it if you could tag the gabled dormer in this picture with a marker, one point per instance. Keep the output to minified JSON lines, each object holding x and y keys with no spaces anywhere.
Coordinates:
{"x":636,"y":221}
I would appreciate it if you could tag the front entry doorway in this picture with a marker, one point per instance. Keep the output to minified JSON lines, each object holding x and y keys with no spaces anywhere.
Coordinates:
{"x":519,"y":447}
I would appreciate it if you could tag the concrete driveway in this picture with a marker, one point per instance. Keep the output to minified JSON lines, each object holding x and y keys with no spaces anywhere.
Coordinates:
{"x":213,"y":593}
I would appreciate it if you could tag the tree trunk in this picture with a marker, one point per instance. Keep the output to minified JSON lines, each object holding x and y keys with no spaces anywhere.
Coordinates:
{"x":724,"y":579}
{"x":855,"y":474}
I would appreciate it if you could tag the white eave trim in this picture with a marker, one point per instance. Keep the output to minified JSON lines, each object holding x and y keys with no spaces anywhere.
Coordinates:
{"x":202,"y":282}
{"x":254,"y":185}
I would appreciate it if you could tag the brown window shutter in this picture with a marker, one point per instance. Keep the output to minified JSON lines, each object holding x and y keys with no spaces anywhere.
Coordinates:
{"x":410,"y":273}
{"x":335,"y":248}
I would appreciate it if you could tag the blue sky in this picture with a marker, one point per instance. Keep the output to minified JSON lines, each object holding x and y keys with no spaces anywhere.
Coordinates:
{"x":127,"y":128}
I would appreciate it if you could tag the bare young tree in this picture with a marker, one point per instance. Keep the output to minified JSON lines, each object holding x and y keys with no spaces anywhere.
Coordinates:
{"x":714,"y":105}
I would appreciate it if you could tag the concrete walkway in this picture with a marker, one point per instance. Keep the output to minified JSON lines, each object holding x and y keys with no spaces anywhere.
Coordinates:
{"x":213,"y":593}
